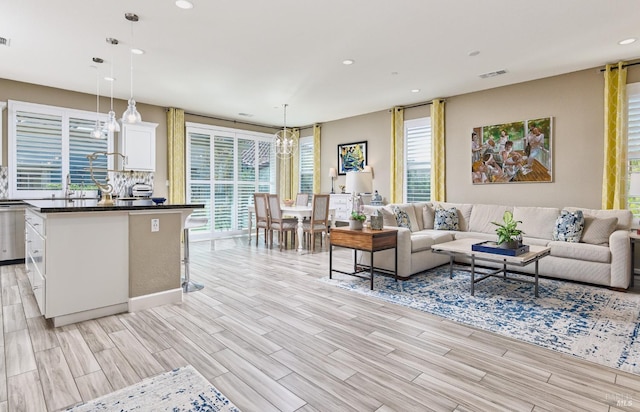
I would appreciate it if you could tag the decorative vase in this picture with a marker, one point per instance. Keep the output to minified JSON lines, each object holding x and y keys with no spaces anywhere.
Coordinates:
{"x":355,"y":224}
{"x":511,"y":244}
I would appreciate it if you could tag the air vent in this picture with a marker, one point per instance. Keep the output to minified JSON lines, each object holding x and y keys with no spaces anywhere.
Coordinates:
{"x":4,"y":41}
{"x":492,"y":74}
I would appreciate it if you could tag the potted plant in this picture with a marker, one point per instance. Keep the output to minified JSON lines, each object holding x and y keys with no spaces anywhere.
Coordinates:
{"x":508,"y":233}
{"x":356,"y":219}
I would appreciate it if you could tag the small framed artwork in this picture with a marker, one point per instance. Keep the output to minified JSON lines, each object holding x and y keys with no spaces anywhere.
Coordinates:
{"x":352,"y":157}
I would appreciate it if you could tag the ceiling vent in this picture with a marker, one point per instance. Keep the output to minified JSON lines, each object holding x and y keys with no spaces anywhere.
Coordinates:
{"x":492,"y":74}
{"x":4,"y":41}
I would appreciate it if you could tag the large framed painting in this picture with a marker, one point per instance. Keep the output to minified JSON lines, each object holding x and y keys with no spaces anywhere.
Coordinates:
{"x":517,"y":152}
{"x":352,"y":157}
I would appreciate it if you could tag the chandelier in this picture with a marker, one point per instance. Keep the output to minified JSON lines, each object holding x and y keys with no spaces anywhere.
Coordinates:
{"x":284,"y":140}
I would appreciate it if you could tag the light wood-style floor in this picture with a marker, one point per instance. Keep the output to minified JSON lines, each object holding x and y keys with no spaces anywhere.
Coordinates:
{"x":272,"y":338}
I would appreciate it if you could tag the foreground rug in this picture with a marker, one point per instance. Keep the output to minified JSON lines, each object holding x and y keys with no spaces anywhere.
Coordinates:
{"x":182,"y":389}
{"x":591,"y":323}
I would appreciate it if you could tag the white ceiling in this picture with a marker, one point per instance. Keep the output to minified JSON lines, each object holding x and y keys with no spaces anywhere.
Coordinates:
{"x":226,"y":57}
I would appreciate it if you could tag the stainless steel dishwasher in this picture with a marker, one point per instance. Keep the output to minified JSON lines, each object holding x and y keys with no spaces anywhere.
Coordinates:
{"x":11,"y":232}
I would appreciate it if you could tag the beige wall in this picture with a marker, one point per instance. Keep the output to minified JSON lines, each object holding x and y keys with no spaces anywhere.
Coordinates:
{"x":574,"y":100}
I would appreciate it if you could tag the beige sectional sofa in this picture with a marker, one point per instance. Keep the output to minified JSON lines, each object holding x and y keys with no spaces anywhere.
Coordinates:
{"x":602,"y":256}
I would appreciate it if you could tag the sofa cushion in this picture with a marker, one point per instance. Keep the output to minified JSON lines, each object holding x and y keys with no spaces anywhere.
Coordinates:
{"x":428,"y":216}
{"x":417,"y":210}
{"x":446,"y":219}
{"x":483,"y":215}
{"x":569,"y":226}
{"x":424,"y":239}
{"x":580,"y":251}
{"x":405,"y":217}
{"x":597,"y":231}
{"x":464,"y":213}
{"x":388,"y":217}
{"x":536,"y":221}
{"x":625,"y":217}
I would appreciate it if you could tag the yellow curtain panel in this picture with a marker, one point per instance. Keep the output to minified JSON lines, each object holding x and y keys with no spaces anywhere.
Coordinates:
{"x":316,"y":159}
{"x":176,"y":155}
{"x":397,"y":154}
{"x":615,"y":137}
{"x":438,"y":160}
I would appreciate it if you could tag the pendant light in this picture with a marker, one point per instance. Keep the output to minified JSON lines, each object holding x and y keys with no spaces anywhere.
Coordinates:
{"x":284,"y":141}
{"x":112,"y":124}
{"x":96,"y":133}
{"x":131,"y":115}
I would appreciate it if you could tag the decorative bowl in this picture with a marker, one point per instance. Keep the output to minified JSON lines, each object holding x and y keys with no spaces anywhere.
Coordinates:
{"x":158,"y":200}
{"x":289,"y":202}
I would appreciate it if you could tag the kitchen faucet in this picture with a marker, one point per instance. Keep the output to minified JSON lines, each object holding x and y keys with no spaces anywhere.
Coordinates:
{"x":67,"y":191}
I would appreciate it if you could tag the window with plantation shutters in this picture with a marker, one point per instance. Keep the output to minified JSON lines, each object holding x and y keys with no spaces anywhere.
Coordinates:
{"x":306,"y":165}
{"x":47,"y":144}
{"x":226,"y":166}
{"x":633,"y":145}
{"x":417,"y":158}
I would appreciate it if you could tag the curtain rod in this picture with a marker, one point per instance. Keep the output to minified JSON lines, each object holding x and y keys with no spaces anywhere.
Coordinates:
{"x":623,"y":66}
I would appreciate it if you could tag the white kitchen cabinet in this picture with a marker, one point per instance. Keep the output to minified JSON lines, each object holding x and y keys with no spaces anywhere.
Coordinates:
{"x":137,"y":142}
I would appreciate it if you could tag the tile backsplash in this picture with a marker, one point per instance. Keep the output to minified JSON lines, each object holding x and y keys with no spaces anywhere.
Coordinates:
{"x":4,"y":182}
{"x":122,"y":180}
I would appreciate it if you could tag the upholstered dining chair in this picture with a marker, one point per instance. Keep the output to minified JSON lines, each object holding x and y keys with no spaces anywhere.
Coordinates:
{"x":262,"y":214}
{"x":278,"y":223}
{"x":319,"y":222}
{"x":302,"y":199}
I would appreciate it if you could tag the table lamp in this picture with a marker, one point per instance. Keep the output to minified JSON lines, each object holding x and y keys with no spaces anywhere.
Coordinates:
{"x":333,"y":173}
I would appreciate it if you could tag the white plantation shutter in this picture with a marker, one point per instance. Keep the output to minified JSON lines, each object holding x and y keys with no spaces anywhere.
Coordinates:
{"x":38,"y":148}
{"x":46,"y":144}
{"x":633,"y":133}
{"x":199,"y":167}
{"x":80,"y":145}
{"x":306,"y":165}
{"x":417,"y":137}
{"x":226,"y":166}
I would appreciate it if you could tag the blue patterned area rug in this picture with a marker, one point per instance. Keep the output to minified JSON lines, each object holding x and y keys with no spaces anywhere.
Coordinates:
{"x":592,"y":323}
{"x":182,"y":389}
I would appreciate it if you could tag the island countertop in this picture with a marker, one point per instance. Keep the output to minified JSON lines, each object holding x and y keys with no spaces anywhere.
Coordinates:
{"x":91,"y":205}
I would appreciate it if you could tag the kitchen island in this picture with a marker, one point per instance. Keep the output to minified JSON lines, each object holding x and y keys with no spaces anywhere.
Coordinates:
{"x":86,"y":261}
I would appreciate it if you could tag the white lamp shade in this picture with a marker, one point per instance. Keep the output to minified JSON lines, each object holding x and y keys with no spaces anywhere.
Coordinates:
{"x":359,"y":182}
{"x":333,"y":173}
{"x":634,"y":184}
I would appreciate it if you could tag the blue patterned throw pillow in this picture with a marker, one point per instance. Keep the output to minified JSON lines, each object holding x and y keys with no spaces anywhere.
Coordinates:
{"x":569,"y":226}
{"x":402,"y":217}
{"x":446,"y":219}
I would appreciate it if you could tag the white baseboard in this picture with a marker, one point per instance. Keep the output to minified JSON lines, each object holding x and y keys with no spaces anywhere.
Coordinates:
{"x":155,"y":299}
{"x":89,"y":314}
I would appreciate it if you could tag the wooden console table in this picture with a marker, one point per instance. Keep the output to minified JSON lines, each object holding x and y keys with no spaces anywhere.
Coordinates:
{"x":366,"y":240}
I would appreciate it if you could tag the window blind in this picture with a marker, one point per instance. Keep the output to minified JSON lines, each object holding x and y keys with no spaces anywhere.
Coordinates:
{"x":306,"y":165}
{"x":633,"y":135}
{"x":417,"y":160}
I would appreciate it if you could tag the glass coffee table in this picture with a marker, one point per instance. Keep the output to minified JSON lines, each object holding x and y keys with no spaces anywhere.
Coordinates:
{"x":463,"y":247}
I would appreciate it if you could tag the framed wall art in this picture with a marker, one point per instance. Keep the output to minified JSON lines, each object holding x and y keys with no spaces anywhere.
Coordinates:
{"x":352,"y":157}
{"x":516,"y":152}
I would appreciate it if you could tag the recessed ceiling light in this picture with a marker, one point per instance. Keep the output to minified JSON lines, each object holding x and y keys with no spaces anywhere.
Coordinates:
{"x":245,"y":114}
{"x":110,"y":79}
{"x":415,"y":90}
{"x":474,"y":53}
{"x":627,"y":41}
{"x":348,"y":62}
{"x":137,"y":51}
{"x":184,"y":4}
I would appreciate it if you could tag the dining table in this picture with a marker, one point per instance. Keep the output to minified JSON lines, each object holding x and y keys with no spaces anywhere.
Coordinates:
{"x":299,"y":212}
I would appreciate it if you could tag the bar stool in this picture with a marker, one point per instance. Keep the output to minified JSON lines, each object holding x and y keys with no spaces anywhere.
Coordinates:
{"x":192,"y":222}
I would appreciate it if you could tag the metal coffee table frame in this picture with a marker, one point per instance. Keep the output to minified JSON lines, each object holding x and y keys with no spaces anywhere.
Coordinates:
{"x":520,"y":261}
